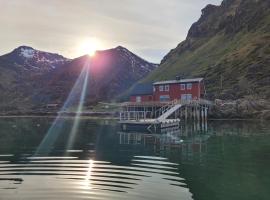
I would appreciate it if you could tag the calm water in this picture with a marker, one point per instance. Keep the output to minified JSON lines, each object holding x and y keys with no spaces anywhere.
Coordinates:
{"x":223,"y":160}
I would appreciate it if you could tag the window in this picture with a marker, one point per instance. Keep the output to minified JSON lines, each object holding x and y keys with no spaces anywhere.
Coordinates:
{"x":186,"y":97}
{"x":189,"y":86}
{"x":183,"y":97}
{"x":154,"y":88}
{"x":183,"y":86}
{"x":164,"y":98}
{"x":161,"y":88}
{"x":138,"y":99}
{"x":167,"y":88}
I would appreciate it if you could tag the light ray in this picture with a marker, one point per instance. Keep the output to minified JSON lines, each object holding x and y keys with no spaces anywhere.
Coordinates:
{"x":78,"y":112}
{"x":54,"y":131}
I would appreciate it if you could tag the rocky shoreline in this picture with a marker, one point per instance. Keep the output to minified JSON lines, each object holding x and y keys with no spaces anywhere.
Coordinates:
{"x":241,"y":109}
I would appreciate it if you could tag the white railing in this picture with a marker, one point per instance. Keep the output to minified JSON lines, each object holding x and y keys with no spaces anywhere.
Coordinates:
{"x":134,"y":115}
{"x":165,"y":103}
{"x":164,"y":107}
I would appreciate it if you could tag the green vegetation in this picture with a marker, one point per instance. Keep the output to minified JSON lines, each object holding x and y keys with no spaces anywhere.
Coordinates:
{"x":229,"y":46}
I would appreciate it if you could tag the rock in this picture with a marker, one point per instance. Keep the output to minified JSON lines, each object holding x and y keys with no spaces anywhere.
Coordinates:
{"x":241,"y":109}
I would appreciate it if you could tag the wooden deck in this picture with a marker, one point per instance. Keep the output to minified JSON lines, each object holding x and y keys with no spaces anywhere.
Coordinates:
{"x":162,"y":114}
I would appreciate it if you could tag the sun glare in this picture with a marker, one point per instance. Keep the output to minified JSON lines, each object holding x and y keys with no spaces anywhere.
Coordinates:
{"x":89,"y":47}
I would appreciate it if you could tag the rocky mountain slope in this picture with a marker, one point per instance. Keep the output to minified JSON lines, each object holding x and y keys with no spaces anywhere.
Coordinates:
{"x":229,"y":46}
{"x":111,"y":72}
{"x":31,"y":79}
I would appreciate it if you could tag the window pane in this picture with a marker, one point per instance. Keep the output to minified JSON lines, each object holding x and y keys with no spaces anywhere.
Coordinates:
{"x":183,"y":86}
{"x":164,"y":98}
{"x":167,"y":87}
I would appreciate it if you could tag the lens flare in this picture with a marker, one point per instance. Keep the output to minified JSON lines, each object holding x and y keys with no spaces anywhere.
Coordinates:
{"x":89,"y":47}
{"x":78,"y":112}
{"x":79,"y":90}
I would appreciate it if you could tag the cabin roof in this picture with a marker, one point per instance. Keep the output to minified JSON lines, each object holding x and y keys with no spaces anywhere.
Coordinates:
{"x":190,"y":80}
{"x":142,"y":89}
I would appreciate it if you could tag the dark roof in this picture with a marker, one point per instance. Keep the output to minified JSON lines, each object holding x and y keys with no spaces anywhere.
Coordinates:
{"x":142,"y":89}
{"x":179,"y":81}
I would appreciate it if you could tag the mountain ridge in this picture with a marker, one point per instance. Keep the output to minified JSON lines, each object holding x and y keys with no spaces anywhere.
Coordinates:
{"x":229,"y":47}
{"x":31,"y":78}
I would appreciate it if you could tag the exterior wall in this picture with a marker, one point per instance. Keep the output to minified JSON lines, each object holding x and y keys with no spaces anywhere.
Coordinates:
{"x":144,"y":98}
{"x":203,"y":92}
{"x":175,"y":91}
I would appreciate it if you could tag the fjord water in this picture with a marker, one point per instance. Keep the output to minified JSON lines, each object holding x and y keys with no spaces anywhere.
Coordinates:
{"x":221,"y":160}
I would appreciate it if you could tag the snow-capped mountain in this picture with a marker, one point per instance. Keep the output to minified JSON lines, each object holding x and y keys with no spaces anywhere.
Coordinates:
{"x":34,"y":78}
{"x":112,"y":72}
{"x":135,"y":60}
{"x":34,"y":60}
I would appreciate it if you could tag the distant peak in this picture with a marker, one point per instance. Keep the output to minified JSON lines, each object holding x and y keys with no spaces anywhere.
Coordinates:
{"x":25,"y":47}
{"x":26,"y":51}
{"x":120,"y":48}
{"x":210,"y":8}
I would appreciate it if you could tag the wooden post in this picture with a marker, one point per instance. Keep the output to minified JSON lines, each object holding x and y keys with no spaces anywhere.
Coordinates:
{"x":202,"y":114}
{"x":198,"y":113}
{"x":186,"y":113}
{"x":205,"y":113}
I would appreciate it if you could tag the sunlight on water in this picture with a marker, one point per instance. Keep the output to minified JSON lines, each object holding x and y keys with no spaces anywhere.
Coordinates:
{"x":88,"y":175}
{"x":93,"y":179}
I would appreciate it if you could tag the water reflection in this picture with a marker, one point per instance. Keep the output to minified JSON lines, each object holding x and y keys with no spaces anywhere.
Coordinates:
{"x":220,"y":160}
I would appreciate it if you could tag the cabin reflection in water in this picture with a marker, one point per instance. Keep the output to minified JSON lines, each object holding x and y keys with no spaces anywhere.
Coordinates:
{"x":188,"y":139}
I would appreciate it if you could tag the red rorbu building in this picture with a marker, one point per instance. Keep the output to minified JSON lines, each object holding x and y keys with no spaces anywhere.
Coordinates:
{"x":185,"y":89}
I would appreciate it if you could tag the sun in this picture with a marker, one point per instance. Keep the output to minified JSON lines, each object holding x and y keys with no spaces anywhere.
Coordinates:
{"x":89,"y":47}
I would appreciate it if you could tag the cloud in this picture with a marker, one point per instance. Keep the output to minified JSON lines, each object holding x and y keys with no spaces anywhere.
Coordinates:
{"x":150,"y":28}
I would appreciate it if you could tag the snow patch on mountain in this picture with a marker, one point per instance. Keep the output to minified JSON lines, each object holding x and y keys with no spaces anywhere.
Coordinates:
{"x":27,"y":53}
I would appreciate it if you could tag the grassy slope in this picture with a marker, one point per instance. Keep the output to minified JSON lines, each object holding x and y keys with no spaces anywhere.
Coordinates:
{"x":234,"y":65}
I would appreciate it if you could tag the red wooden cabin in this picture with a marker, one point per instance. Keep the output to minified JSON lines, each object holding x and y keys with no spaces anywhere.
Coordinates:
{"x":185,"y":89}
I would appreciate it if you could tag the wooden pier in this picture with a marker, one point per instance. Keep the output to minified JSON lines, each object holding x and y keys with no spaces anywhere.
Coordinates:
{"x":153,"y":116}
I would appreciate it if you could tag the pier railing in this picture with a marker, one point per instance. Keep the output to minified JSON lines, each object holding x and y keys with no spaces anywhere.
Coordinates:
{"x":165,"y":103}
{"x":134,"y":115}
{"x":153,"y":110}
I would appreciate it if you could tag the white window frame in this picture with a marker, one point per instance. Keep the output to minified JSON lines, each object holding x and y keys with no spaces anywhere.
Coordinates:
{"x":161,"y":88}
{"x":167,"y":88}
{"x":183,"y":86}
{"x":138,"y":99}
{"x":164,"y":98}
{"x":189,"y":86}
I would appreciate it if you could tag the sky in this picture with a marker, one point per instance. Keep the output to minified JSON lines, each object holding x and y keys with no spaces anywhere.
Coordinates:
{"x":148,"y":28}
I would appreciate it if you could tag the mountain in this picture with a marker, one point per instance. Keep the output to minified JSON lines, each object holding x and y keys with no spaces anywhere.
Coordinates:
{"x":26,"y":58}
{"x":20,"y":73}
{"x":111,"y":72}
{"x":32,"y":79}
{"x":229,"y":46}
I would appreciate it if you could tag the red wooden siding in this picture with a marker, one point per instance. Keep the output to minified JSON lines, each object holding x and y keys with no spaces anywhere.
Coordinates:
{"x":175,"y":91}
{"x":144,"y":98}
